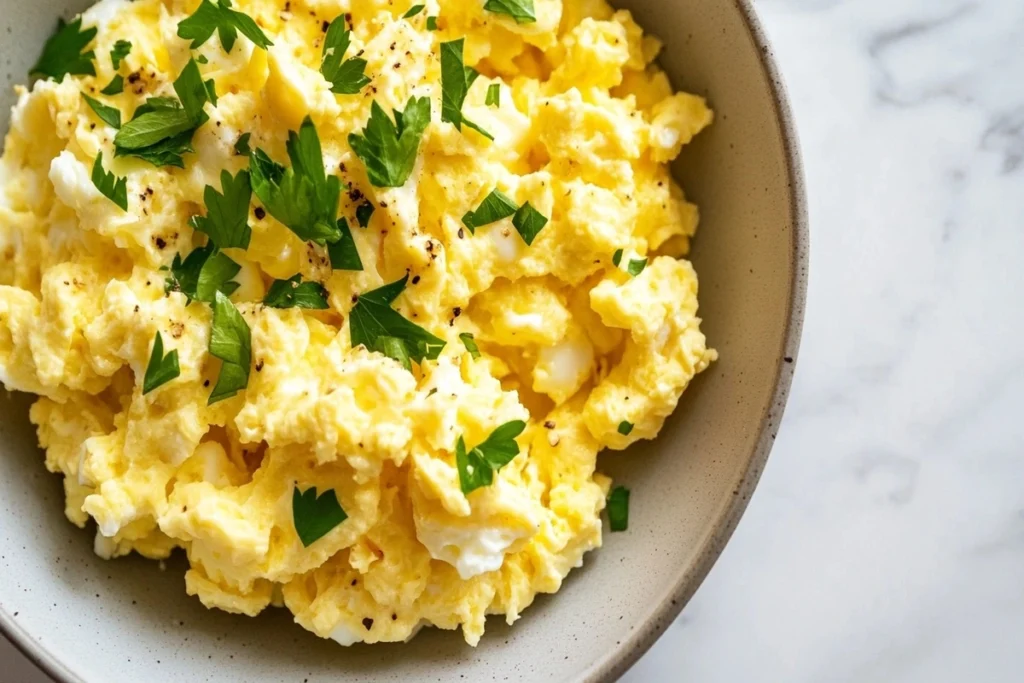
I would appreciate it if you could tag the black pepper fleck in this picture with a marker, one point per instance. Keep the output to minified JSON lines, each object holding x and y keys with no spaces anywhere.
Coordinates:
{"x":367,"y":623}
{"x":260,"y":213}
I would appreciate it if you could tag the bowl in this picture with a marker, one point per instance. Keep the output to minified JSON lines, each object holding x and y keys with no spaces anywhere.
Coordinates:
{"x":83,"y":619}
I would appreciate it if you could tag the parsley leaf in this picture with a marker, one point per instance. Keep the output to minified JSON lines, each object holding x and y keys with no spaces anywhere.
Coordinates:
{"x":115,"y":87}
{"x":161,"y":369}
{"x":203,"y":274}
{"x":493,"y":208}
{"x":528,"y":221}
{"x":625,"y":428}
{"x":304,"y":198}
{"x":120,"y":50}
{"x":109,"y":115}
{"x":393,"y":347}
{"x":520,"y":10}
{"x":413,"y":11}
{"x":634,"y":267}
{"x":161,"y":130}
{"x":343,"y":253}
{"x":470,"y":343}
{"x":231,"y":341}
{"x":618,"y":508}
{"x":493,"y":95}
{"x":242,"y":148}
{"x":210,"y":17}
{"x":63,"y":53}
{"x":389,"y":149}
{"x":478,"y":465}
{"x":373,"y":319}
{"x":113,"y":188}
{"x":345,"y":75}
{"x":363,"y":213}
{"x":456,"y":78}
{"x":315,"y":516}
{"x":294,"y":293}
{"x":431,"y":23}
{"x":227,"y":215}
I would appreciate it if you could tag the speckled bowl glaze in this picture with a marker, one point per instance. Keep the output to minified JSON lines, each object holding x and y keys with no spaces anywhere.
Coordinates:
{"x":83,"y":619}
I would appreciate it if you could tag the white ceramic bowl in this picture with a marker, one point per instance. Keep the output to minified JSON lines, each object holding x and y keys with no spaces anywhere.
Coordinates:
{"x":84,"y":619}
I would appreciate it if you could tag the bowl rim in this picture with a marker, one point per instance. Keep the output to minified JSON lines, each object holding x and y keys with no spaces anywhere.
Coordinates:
{"x":665,"y":610}
{"x":613,"y":665}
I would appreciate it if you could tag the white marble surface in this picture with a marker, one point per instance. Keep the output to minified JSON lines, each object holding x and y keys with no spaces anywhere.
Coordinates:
{"x":886,"y":541}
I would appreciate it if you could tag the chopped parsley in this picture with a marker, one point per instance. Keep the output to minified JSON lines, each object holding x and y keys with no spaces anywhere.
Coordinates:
{"x":395,"y":348}
{"x":203,"y":274}
{"x":625,"y":428}
{"x":528,"y":221}
{"x":314,"y":516}
{"x":343,"y":253}
{"x":294,"y":293}
{"x":303,"y":197}
{"x":456,"y":78}
{"x":242,"y":148}
{"x":431,"y":23}
{"x":161,"y":369}
{"x":618,"y":508}
{"x":520,"y":10}
{"x":493,"y":95}
{"x":373,"y":320}
{"x":493,"y":208}
{"x":219,"y":17}
{"x":115,"y":87}
{"x":110,"y":186}
{"x":64,"y":53}
{"x":478,"y":465}
{"x":227,"y":215}
{"x":470,"y":343}
{"x":109,"y":115}
{"x":121,"y":49}
{"x":413,"y":11}
{"x":346,"y":76}
{"x":231,"y":341}
{"x":363,"y":213}
{"x":389,"y":149}
{"x":634,"y":267}
{"x":161,"y":130}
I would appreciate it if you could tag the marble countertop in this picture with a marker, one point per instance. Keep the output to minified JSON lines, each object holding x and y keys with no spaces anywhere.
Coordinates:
{"x":886,"y":540}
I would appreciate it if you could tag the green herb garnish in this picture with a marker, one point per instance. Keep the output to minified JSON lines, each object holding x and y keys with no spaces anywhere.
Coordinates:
{"x":389,"y":149}
{"x":203,"y":274}
{"x":528,"y":221}
{"x":346,"y":76}
{"x":315,"y":516}
{"x":64,"y":53}
{"x":618,"y":508}
{"x":431,"y":23}
{"x":115,"y":87}
{"x":372,"y":319}
{"x":493,"y":95}
{"x":634,"y":267}
{"x":242,"y":148}
{"x":161,"y":369}
{"x":478,"y":465}
{"x":210,"y":17}
{"x":625,"y":428}
{"x":520,"y":10}
{"x":493,"y":208}
{"x":110,"y":186}
{"x":294,"y":293}
{"x":231,"y":341}
{"x":303,"y":197}
{"x":470,"y":343}
{"x":343,"y":254}
{"x":456,"y":78}
{"x":120,"y":50}
{"x":227,"y":215}
{"x":109,"y":115}
{"x":413,"y":11}
{"x":363,"y":213}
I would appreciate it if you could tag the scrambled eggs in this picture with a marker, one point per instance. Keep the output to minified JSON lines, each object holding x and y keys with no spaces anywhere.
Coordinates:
{"x":588,"y":334}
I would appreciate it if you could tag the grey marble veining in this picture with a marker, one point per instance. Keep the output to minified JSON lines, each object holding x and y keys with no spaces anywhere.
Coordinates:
{"x":886,"y":541}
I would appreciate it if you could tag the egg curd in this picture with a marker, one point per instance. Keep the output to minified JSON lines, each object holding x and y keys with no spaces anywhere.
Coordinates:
{"x":431,"y":470}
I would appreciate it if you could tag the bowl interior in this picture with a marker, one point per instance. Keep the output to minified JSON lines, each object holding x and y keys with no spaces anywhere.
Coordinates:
{"x":128,"y":620}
